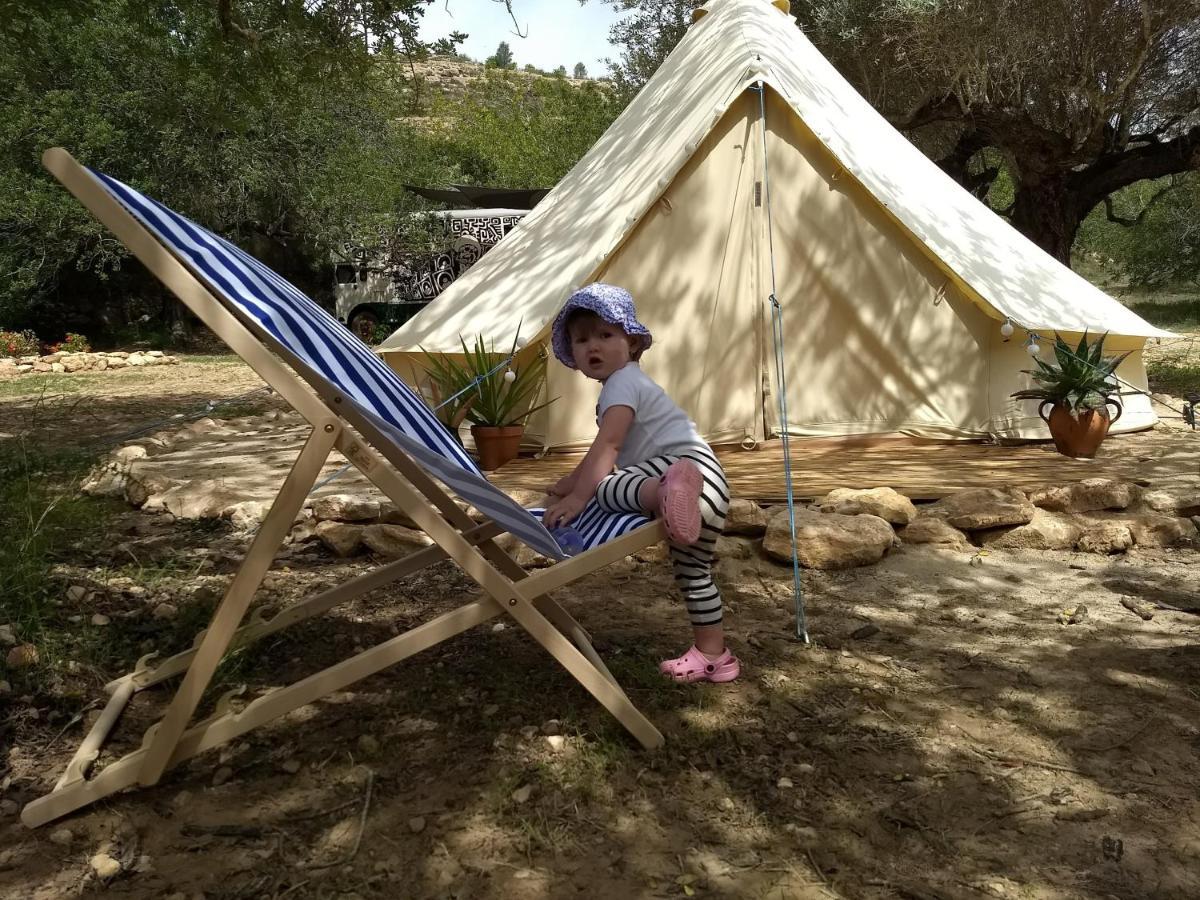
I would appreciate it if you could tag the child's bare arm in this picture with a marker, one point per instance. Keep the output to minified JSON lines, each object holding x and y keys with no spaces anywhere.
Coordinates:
{"x":596,"y":465}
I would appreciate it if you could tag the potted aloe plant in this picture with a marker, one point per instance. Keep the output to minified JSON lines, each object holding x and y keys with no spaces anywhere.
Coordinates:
{"x":1078,"y":387}
{"x":495,"y":398}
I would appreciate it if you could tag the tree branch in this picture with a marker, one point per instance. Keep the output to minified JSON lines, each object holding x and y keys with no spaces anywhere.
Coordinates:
{"x":1111,"y":173}
{"x":1127,"y":222}
{"x":944,"y":108}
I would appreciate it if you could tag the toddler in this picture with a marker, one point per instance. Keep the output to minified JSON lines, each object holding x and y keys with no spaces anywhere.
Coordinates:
{"x":663,"y":467}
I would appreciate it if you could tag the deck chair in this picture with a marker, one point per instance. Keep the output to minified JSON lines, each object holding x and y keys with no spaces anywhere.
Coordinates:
{"x":358,"y":406}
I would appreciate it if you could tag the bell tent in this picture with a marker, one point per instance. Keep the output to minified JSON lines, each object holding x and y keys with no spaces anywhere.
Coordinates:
{"x":894,"y":282}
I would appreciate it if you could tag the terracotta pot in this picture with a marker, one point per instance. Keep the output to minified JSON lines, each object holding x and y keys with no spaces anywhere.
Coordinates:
{"x":1081,"y":435}
{"x":496,"y":444}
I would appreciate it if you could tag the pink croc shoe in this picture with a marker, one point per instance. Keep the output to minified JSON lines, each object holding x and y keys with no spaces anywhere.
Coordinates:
{"x":679,"y":501}
{"x":694,"y":666}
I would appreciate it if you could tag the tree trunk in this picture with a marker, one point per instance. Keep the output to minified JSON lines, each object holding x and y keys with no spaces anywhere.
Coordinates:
{"x":1047,"y":212}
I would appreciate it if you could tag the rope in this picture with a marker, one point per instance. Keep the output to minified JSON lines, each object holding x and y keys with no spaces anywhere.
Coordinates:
{"x":781,"y":379}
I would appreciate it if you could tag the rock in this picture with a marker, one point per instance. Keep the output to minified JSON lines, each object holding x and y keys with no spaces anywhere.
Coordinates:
{"x":291,"y":766}
{"x":736,"y":547}
{"x":1141,"y":767}
{"x":745,"y":517}
{"x":1184,"y":501}
{"x":416,"y":824}
{"x":7,"y":636}
{"x":523,"y":793}
{"x":77,"y":593}
{"x":62,"y":837}
{"x":105,"y":482}
{"x":1089,"y":495}
{"x":935,"y":532}
{"x":785,"y":784}
{"x":394,"y":541}
{"x":390,"y":514}
{"x":9,"y":808}
{"x":222,"y":775}
{"x":247,"y":515}
{"x":129,"y":453}
{"x":165,"y":611}
{"x":345,"y":508}
{"x":136,"y":359}
{"x":979,"y":508}
{"x":58,"y":368}
{"x":105,"y":867}
{"x":101,"y":620}
{"x":1139,"y":608}
{"x":154,"y":354}
{"x":556,"y":741}
{"x":144,"y":490}
{"x":203,"y":499}
{"x":342,"y":539}
{"x":22,"y":656}
{"x":552,"y":726}
{"x":118,"y":363}
{"x":1106,"y":537}
{"x":829,"y":540}
{"x":368,"y":745}
{"x":1161,"y":531}
{"x":884,"y":502}
{"x":1047,"y":531}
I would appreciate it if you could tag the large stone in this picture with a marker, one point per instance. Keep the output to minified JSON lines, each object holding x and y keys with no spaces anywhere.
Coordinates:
{"x":129,"y":453}
{"x":1088,"y":495}
{"x":146,"y":489}
{"x":75,"y":363}
{"x":22,"y":656}
{"x":390,"y":514}
{"x":203,"y":499}
{"x":884,"y":502}
{"x":1161,"y":531}
{"x":345,"y":508}
{"x":394,"y":541}
{"x":246,"y":515}
{"x":342,"y":539}
{"x":979,"y":508}
{"x":1106,"y":537}
{"x":105,"y":482}
{"x":828,"y":540}
{"x":934,"y":532}
{"x":1184,"y":501}
{"x":117,"y":363}
{"x":1047,"y":531}
{"x":745,"y":517}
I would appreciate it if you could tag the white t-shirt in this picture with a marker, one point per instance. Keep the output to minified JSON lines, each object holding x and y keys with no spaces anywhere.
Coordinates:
{"x":659,"y":426}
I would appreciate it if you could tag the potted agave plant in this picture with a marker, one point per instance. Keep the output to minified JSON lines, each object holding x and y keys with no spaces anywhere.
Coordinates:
{"x":1078,"y":388}
{"x":496,"y":398}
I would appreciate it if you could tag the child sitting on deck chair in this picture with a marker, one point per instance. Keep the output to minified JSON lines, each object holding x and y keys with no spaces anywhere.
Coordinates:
{"x":663,"y":467}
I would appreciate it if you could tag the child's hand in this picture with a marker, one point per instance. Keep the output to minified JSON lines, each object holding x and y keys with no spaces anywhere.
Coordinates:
{"x":562,"y":511}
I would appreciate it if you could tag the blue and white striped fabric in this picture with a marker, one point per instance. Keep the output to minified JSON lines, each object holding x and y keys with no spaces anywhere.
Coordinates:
{"x":597,"y":527}
{"x":367,"y":383}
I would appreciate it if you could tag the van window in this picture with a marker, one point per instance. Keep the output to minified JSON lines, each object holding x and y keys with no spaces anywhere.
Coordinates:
{"x":344,"y":273}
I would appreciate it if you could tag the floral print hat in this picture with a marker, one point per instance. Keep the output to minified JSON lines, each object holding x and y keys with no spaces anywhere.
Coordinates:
{"x":612,"y":304}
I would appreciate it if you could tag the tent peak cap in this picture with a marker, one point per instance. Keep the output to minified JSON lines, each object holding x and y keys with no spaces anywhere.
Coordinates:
{"x":784,"y":6}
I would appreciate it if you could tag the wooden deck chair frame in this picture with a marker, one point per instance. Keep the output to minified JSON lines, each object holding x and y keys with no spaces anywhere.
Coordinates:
{"x":508,"y":588}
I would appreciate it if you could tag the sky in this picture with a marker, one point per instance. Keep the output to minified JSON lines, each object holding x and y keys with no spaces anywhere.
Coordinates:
{"x":560,"y":32}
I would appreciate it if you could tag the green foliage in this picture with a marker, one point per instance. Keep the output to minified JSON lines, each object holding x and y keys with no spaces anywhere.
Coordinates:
{"x":42,"y":514}
{"x":73,"y":343}
{"x":479,"y":389}
{"x":19,"y":343}
{"x":524,"y":132}
{"x":1081,"y":378}
{"x":580,"y":71}
{"x":275,"y":127}
{"x":1155,"y":242}
{"x":503,"y":58}
{"x":1168,"y":377}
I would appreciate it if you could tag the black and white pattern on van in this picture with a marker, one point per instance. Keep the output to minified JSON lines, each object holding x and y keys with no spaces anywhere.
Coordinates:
{"x":488,"y":230}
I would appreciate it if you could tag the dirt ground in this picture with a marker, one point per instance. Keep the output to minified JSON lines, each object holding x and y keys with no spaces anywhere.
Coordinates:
{"x":944,"y":736}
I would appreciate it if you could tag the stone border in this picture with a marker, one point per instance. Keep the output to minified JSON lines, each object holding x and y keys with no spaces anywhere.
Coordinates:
{"x":65,"y":362}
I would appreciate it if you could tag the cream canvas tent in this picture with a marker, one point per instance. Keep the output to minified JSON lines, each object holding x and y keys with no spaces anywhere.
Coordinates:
{"x":893,"y":280}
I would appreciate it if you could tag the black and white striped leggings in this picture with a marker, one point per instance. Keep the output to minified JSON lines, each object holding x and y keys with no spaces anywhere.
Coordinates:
{"x":692,"y":564}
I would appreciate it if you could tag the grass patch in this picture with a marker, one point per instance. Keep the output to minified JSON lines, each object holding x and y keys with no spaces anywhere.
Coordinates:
{"x":1178,"y":313}
{"x":43,"y":520}
{"x":1166,"y":378}
{"x":33,"y":385}
{"x":212,"y":359}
